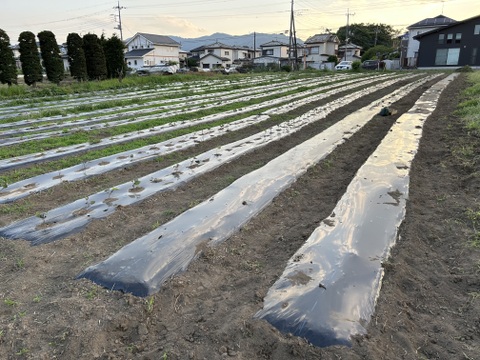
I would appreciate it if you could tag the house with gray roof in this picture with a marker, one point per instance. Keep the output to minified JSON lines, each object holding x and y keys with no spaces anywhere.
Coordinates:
{"x":318,"y":48}
{"x":418,"y":28}
{"x":150,"y":50}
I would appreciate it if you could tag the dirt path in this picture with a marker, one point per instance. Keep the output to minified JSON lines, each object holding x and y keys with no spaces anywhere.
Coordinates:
{"x":428,"y":307}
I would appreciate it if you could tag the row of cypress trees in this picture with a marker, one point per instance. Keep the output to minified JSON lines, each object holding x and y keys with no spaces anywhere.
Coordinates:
{"x":90,"y":58}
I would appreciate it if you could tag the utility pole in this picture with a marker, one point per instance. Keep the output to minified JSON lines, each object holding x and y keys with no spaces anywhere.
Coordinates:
{"x":347,"y":33}
{"x":254,"y":45}
{"x":119,"y":27}
{"x":292,"y":42}
{"x":376,"y":36}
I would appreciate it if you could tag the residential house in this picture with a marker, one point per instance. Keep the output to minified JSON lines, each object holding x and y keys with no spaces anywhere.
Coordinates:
{"x":350,"y":52}
{"x":418,"y":28}
{"x":150,"y":49}
{"x":221,"y":55}
{"x":451,"y":46}
{"x":273,"y":52}
{"x":318,"y":48}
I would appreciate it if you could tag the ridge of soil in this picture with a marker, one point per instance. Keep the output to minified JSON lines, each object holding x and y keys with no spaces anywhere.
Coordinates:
{"x":428,"y":306}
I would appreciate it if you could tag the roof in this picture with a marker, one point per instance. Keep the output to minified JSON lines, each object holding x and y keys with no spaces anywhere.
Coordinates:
{"x":274,"y":43}
{"x":218,"y":45}
{"x":456,"y":23}
{"x":215,"y":56}
{"x":439,"y":20}
{"x":137,"y":53}
{"x":156,"y":39}
{"x":322,"y":38}
{"x":350,"y":46}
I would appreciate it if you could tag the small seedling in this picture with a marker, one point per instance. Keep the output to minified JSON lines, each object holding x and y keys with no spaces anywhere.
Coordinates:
{"x":37,"y":298}
{"x":135,"y":183}
{"x":22,"y":351}
{"x":149,"y":304}
{"x":10,"y":302}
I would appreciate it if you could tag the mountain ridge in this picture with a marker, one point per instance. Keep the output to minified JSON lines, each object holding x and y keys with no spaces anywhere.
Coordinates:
{"x":188,"y":44}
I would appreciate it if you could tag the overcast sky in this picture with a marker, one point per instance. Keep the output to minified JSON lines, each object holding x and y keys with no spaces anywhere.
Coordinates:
{"x":194,"y":18}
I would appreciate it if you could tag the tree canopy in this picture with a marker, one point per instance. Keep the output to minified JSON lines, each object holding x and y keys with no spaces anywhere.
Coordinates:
{"x":30,"y":58}
{"x":114,"y":54}
{"x":8,"y":70}
{"x":52,"y":60}
{"x":367,"y":35}
{"x":95,"y":57}
{"x":76,"y":57}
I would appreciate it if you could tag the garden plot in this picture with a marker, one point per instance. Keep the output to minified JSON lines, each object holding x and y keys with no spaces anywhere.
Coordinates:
{"x":208,"y":310}
{"x":142,"y":266}
{"x":158,"y":109}
{"x":31,"y":108}
{"x":63,"y":221}
{"x":329,"y":289}
{"x":23,"y":188}
{"x":77,"y":148}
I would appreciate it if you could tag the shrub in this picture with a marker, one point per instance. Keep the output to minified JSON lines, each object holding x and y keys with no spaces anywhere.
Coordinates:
{"x":356,"y":65}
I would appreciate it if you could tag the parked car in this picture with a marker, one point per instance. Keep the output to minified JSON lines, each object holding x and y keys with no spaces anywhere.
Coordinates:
{"x":158,"y":69}
{"x":344,"y":65}
{"x":370,"y":64}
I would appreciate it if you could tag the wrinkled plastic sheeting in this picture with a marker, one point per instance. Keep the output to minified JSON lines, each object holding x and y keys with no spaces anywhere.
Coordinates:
{"x":329,"y":288}
{"x":73,"y":217}
{"x":42,"y":182}
{"x":131,"y":117}
{"x":142,"y":266}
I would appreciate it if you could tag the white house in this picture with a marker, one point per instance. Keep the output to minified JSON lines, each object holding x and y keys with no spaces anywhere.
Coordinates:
{"x":150,"y":49}
{"x":419,"y":28}
{"x":273,"y":52}
{"x":318,"y":48}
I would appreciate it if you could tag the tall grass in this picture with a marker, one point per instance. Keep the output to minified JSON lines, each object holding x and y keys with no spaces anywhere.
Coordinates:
{"x":469,"y":109}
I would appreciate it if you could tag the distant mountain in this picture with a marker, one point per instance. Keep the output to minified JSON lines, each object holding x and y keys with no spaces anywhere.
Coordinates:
{"x":232,"y":40}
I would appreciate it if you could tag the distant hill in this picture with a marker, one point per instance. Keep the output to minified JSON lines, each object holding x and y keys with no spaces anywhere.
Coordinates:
{"x":232,"y":40}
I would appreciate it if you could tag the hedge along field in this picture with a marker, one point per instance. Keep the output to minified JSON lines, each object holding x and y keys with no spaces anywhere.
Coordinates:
{"x":298,"y":105}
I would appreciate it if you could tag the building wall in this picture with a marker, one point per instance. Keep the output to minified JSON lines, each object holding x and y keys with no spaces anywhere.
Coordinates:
{"x":453,"y":47}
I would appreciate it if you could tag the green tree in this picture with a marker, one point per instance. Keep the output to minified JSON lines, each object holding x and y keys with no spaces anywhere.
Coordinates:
{"x":379,"y":52}
{"x":95,"y":57}
{"x":367,"y":35}
{"x":114,"y":55}
{"x":52,"y":60}
{"x":76,"y":57}
{"x":30,"y":58}
{"x":8,"y":70}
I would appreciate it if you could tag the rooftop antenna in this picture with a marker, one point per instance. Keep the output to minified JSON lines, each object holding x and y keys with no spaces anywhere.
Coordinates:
{"x":119,"y":27}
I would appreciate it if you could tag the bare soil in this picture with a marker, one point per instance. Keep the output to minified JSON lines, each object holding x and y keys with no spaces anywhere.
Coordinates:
{"x":429,"y":305}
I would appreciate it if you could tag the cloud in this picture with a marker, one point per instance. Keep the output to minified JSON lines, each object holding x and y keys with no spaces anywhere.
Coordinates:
{"x":165,"y":25}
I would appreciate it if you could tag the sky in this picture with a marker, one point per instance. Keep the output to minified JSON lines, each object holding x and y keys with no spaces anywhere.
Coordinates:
{"x":195,"y":18}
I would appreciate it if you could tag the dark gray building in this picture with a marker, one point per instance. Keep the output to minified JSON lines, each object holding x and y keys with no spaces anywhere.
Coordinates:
{"x":451,"y":46}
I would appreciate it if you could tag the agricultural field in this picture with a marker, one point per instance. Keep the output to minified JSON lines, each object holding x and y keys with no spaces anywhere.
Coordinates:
{"x":267,"y":216}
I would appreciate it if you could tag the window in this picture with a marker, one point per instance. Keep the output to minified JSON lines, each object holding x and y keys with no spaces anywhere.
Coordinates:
{"x":135,"y":62}
{"x":227,"y":52}
{"x":210,"y":51}
{"x":441,"y":38}
{"x":314,"y":50}
{"x":447,"y":57}
{"x":449,"y":38}
{"x":458,"y":38}
{"x":268,"y":52}
{"x":473,"y":60}
{"x":476,"y":31}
